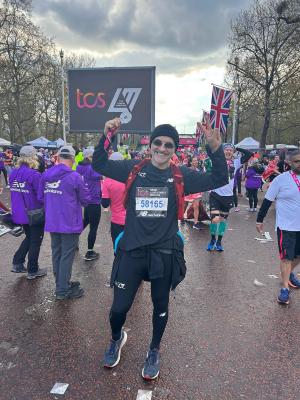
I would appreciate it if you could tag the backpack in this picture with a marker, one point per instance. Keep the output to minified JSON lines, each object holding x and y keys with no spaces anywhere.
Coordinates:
{"x":178,"y":182}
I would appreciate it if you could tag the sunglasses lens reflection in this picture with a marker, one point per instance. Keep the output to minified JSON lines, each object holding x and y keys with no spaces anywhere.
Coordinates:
{"x":167,"y":145}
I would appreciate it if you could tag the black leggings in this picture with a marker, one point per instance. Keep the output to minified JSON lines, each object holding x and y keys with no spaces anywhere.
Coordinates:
{"x":115,"y":230}
{"x":91,"y":216}
{"x":252,"y":197}
{"x":131,"y":272}
{"x":235,"y":198}
{"x":5,"y":175}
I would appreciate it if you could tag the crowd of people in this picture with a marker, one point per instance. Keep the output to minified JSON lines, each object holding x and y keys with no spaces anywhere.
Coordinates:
{"x":148,"y":192}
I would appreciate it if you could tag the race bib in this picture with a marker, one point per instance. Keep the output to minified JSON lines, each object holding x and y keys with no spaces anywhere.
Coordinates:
{"x":151,"y":202}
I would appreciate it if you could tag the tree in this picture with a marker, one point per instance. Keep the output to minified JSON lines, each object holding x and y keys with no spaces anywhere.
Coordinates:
{"x":22,"y":59}
{"x":268,"y":53}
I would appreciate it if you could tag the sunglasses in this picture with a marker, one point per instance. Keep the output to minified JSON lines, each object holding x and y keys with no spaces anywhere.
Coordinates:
{"x":167,"y":145}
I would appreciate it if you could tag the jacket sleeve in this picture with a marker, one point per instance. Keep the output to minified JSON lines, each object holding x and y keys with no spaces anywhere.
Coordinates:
{"x":195,"y":182}
{"x":36,"y":181}
{"x":118,"y":170}
{"x":95,"y":176}
{"x":40,"y":192}
{"x":248,"y":173}
{"x":246,"y":154}
{"x":83,"y":192}
{"x":266,"y":204}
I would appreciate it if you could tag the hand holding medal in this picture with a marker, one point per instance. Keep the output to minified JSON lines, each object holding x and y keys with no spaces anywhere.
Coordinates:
{"x":110,"y":130}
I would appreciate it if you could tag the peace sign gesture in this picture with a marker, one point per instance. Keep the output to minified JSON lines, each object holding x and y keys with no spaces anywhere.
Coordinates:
{"x":212,"y":136}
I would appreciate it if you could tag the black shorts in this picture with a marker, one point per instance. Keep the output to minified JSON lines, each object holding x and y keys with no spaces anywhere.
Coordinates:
{"x":221,"y":203}
{"x":288,"y":244}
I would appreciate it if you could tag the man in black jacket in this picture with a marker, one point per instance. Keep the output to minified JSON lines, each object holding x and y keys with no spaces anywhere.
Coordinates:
{"x":151,"y":246}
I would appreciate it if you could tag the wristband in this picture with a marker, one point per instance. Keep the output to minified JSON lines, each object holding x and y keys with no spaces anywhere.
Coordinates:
{"x":108,"y":140}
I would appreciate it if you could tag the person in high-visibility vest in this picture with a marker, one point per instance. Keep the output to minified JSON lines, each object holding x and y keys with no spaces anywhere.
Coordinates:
{"x":78,"y":158}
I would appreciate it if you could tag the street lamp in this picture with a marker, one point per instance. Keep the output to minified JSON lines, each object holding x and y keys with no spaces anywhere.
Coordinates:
{"x":61,"y":54}
{"x":235,"y":98}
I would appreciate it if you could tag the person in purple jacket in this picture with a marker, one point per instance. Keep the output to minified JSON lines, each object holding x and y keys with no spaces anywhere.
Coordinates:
{"x":64,"y":193}
{"x":253,"y":182}
{"x":24,"y":182}
{"x":92,"y":212}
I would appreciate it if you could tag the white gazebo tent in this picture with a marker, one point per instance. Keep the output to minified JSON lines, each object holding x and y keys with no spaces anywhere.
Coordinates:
{"x":248,"y":143}
{"x":4,"y":142}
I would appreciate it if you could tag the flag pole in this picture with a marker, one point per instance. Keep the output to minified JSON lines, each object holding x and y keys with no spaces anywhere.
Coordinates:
{"x":221,"y":87}
{"x":234,"y":118}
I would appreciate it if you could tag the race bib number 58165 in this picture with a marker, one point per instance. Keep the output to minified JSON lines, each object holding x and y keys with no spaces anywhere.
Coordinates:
{"x":151,"y":201}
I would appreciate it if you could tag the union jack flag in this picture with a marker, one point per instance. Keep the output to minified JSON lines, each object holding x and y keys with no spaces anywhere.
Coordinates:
{"x":220,"y":107}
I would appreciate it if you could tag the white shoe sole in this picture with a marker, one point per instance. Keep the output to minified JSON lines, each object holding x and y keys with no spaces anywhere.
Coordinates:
{"x":91,"y":259}
{"x":119,"y":355}
{"x":147,"y":378}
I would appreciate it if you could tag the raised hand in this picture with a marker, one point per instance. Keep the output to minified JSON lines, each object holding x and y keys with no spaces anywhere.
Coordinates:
{"x":112,"y":126}
{"x":212,"y":136}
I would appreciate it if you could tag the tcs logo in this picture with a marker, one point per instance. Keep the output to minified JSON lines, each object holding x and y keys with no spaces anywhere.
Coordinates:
{"x":90,"y":99}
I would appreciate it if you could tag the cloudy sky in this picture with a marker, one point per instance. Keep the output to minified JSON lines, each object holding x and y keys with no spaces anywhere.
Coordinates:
{"x":185,"y":39}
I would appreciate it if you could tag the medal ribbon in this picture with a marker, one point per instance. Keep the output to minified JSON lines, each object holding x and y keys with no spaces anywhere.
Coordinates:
{"x":296,"y":180}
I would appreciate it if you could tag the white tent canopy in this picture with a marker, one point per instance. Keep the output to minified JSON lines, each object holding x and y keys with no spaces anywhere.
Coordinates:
{"x":44,"y":142}
{"x":59,"y":142}
{"x":248,"y":143}
{"x":39,"y":142}
{"x":281,"y":146}
{"x":4,"y":142}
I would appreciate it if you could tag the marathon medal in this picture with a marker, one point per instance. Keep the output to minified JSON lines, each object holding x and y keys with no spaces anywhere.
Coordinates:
{"x":151,"y":202}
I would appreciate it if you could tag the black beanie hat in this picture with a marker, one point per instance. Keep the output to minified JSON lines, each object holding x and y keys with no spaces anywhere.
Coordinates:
{"x":165,"y":130}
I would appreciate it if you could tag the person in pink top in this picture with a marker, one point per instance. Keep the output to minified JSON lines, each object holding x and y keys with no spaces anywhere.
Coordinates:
{"x":112,"y":195}
{"x":193,"y":200}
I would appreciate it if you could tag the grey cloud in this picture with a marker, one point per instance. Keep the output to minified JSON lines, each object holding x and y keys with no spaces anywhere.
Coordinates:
{"x":165,"y":63}
{"x":191,"y":27}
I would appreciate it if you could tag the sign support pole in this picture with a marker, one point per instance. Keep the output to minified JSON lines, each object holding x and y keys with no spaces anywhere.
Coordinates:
{"x":61,"y":53}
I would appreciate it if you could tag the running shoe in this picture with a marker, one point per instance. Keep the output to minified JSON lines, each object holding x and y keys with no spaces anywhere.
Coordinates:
{"x":113,"y":354}
{"x":294,"y":282}
{"x":197,"y":226}
{"x":151,"y":366}
{"x":283,"y":297}
{"x":91,"y":255}
{"x":219,"y":246}
{"x":40,"y":272}
{"x":74,"y":284}
{"x":18,"y":268}
{"x":236,"y":209}
{"x":211,"y":245}
{"x":74,"y":292}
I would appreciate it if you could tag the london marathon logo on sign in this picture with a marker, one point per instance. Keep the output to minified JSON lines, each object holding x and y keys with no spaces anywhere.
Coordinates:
{"x":124,"y":101}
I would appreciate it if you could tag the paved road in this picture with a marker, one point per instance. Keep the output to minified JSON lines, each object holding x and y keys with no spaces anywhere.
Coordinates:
{"x":226,"y":339}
